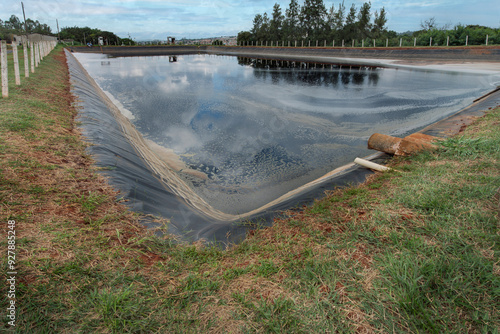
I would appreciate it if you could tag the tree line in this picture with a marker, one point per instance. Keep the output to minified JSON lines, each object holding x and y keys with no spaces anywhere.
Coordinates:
{"x":313,"y":21}
{"x":85,"y":35}
{"x":458,"y":35}
{"x":14,"y":26}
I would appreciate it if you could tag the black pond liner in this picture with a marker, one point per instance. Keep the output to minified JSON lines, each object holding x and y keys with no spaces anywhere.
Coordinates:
{"x":129,"y":173}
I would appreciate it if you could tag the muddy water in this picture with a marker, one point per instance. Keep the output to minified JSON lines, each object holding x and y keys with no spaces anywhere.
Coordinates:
{"x":238,"y":133}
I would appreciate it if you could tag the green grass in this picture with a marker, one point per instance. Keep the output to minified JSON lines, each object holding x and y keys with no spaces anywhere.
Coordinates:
{"x":415,"y":251}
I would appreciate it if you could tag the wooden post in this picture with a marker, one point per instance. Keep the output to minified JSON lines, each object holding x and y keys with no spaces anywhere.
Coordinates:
{"x":26,"y":62}
{"x":5,"y":78}
{"x":342,"y":43}
{"x":487,"y":40}
{"x":295,"y":43}
{"x":352,"y":43}
{"x":362,"y":43}
{"x":302,"y":43}
{"x":325,"y":43}
{"x":448,"y":41}
{"x":415,"y":42}
{"x":374,"y":43}
{"x":16,"y":63}
{"x":430,"y":41}
{"x":400,"y":42}
{"x":387,"y":43}
{"x":333,"y":44}
{"x":467,"y":40}
{"x":309,"y":43}
{"x":32,"y":58}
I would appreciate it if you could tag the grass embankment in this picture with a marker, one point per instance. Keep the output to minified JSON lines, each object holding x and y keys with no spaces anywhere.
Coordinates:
{"x":414,"y":251}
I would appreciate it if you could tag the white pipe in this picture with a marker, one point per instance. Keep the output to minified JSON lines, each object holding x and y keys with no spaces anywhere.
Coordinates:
{"x":371,"y":165}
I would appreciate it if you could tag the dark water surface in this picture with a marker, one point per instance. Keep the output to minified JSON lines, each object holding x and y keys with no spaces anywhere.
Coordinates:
{"x":249,"y":131}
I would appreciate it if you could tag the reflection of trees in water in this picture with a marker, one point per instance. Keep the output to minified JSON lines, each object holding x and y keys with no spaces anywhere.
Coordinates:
{"x":315,"y":74}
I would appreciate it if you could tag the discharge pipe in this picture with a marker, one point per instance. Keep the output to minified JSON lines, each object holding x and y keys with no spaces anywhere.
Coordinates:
{"x":402,"y":146}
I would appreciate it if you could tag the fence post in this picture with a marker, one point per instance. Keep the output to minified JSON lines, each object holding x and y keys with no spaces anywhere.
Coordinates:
{"x":5,"y":78}
{"x":32,"y":53}
{"x":448,"y":41}
{"x":374,"y":43}
{"x":467,"y":40}
{"x":487,"y":40}
{"x":16,"y":63}
{"x":352,"y":43}
{"x":415,"y":42}
{"x":26,"y":63}
{"x":362,"y":43}
{"x":309,"y":43}
{"x":37,"y":54}
{"x":342,"y":43}
{"x":400,"y":42}
{"x":325,"y":43}
{"x":430,"y":41}
{"x":387,"y":43}
{"x":333,"y":45}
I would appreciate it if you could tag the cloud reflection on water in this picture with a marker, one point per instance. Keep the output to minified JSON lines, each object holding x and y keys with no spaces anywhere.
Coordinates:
{"x":259,"y":128}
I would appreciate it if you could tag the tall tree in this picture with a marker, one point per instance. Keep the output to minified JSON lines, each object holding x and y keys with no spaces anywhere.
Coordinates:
{"x":313,"y":19}
{"x":350,"y":28}
{"x":336,"y":21}
{"x":364,"y":18}
{"x":276,"y":23}
{"x":339,"y":17}
{"x":14,"y":24}
{"x":292,"y":21}
{"x":264,"y":31}
{"x":379,"y":23}
{"x":257,"y":26}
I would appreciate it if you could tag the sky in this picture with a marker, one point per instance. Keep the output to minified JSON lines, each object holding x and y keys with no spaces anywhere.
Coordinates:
{"x":157,"y":19}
